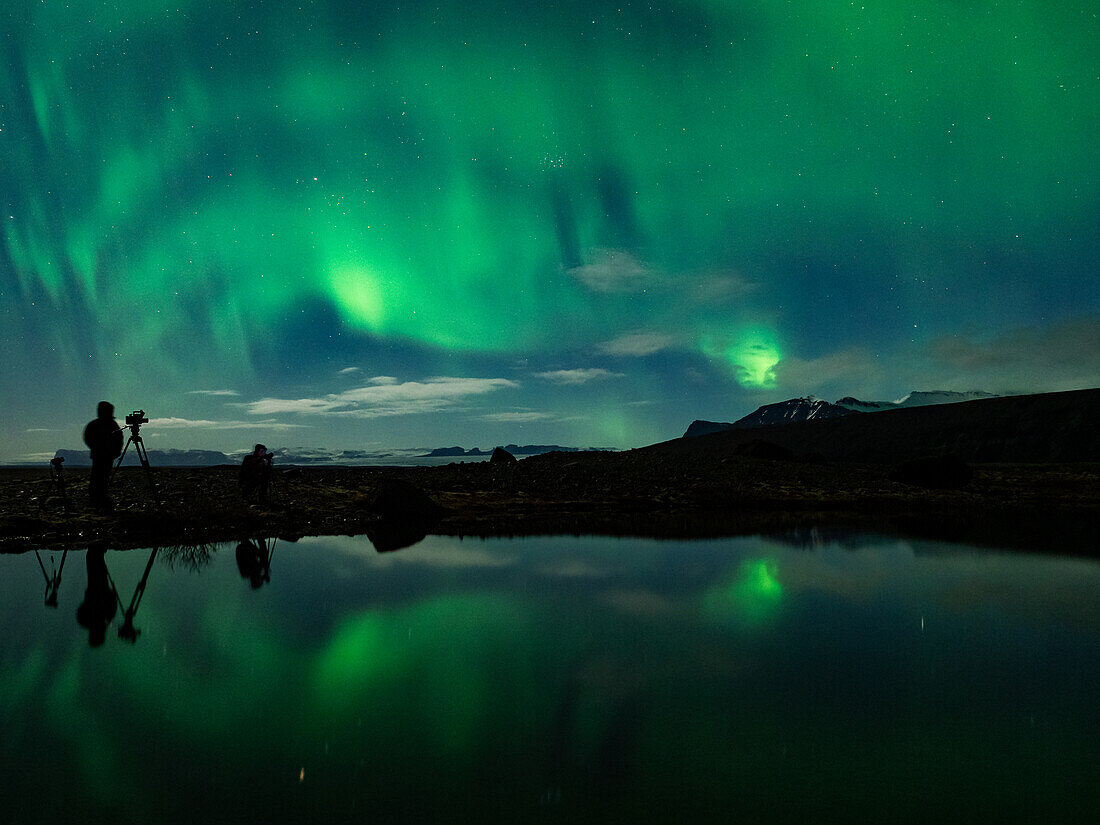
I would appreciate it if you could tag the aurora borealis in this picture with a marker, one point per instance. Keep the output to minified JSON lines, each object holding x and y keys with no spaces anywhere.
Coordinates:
{"x":362,"y":225}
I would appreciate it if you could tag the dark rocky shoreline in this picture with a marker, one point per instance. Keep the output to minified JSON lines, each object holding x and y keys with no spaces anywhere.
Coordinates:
{"x":648,"y":492}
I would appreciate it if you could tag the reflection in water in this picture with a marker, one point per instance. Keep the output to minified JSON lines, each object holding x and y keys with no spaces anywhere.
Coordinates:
{"x":389,"y":535}
{"x":53,"y":581}
{"x":191,"y":557}
{"x":100,"y":598}
{"x":254,"y":561}
{"x":581,"y":679}
{"x":128,"y":631}
{"x":752,"y":595}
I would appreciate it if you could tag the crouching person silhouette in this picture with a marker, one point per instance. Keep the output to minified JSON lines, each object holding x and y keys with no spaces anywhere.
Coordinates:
{"x":255,"y":473}
{"x":104,"y":439}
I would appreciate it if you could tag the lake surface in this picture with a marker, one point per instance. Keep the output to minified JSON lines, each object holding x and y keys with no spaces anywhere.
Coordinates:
{"x":551,"y":679}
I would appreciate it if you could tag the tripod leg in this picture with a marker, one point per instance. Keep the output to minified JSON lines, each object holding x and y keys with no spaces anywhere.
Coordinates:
{"x":121,"y":456}
{"x":139,"y":445}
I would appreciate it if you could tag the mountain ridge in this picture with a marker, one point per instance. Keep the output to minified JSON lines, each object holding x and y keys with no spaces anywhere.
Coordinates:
{"x":809,"y":407}
{"x":1041,"y":427}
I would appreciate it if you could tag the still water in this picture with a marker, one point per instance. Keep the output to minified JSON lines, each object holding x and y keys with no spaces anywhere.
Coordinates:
{"x":560,"y":679}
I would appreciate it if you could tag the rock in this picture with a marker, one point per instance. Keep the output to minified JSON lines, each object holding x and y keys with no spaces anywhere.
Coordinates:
{"x":947,"y":472}
{"x":502,"y":456}
{"x":398,"y":500}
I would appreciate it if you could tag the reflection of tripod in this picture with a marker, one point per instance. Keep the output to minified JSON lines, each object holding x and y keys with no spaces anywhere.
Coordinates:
{"x":53,"y":583}
{"x":128,"y":631}
{"x":143,"y":456}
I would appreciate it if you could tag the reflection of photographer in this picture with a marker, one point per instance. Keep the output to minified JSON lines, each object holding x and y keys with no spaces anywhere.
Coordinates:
{"x":255,"y":473}
{"x":254,"y":562}
{"x":100,"y":599}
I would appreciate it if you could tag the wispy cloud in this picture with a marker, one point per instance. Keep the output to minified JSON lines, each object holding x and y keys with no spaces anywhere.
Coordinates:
{"x":518,"y":417}
{"x":1063,"y":356}
{"x":383,"y":396}
{"x":638,"y":344}
{"x":613,"y":270}
{"x":578,"y":376}
{"x":41,"y":430}
{"x":206,"y":424}
{"x":856,"y":370}
{"x":349,"y":370}
{"x":213,"y":392}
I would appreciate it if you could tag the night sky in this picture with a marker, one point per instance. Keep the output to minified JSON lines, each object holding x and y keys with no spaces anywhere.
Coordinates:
{"x":366,"y":225}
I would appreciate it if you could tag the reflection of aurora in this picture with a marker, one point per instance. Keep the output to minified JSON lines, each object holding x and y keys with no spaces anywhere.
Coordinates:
{"x":752,"y":596}
{"x":492,"y":677}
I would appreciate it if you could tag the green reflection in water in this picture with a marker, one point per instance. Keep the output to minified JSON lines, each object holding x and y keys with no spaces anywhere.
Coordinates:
{"x":752,"y":597}
{"x":443,"y":657}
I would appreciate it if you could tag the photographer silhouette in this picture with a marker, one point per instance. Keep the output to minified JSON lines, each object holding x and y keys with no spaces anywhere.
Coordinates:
{"x":255,"y":473}
{"x":104,"y":439}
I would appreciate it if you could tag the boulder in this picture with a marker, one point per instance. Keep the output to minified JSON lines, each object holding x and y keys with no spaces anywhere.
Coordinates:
{"x":400,"y":501}
{"x":502,"y":456}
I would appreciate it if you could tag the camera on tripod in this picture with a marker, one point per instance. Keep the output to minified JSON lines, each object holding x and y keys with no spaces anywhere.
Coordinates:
{"x":136,"y":418}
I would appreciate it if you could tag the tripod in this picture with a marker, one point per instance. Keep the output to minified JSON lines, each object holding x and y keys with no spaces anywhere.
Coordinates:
{"x":128,"y":632}
{"x":57,"y":481}
{"x":143,"y":456}
{"x":53,"y":583}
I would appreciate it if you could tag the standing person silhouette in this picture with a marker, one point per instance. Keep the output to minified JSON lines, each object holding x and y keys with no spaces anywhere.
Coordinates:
{"x":255,"y":473}
{"x":104,"y":439}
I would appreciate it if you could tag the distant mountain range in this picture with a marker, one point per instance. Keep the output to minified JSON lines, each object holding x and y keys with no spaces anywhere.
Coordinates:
{"x":299,"y":456}
{"x":514,"y":449}
{"x":810,"y":408}
{"x":1043,"y":427}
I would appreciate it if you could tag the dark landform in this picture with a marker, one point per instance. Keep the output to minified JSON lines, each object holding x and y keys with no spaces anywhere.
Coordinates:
{"x":286,"y":456}
{"x":811,"y":408}
{"x":514,"y":449}
{"x":1015,"y":472}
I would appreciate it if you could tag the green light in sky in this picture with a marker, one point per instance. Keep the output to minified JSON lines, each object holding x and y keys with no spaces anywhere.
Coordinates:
{"x":752,"y":356}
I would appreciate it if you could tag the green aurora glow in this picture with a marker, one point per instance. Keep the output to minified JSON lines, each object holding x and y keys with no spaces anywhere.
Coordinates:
{"x":246,"y":195}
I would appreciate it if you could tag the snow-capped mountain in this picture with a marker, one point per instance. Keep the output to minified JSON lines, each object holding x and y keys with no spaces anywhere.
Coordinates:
{"x":914,"y":399}
{"x":796,"y":409}
{"x":810,"y":407}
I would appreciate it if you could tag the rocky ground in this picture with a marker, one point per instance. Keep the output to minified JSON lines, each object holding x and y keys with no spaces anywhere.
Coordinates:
{"x":1045,"y":507}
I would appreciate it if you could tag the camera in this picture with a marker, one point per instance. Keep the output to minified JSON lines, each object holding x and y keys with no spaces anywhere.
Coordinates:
{"x":136,"y":418}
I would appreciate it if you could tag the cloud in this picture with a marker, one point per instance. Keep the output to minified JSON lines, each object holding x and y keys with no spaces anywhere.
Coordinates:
{"x":614,"y":270}
{"x":213,"y":392}
{"x":384,"y":397}
{"x":578,"y":376}
{"x":42,"y":430}
{"x":638,"y":344}
{"x":206,"y":424}
{"x":855,"y":370}
{"x":518,"y":417}
{"x":1063,"y":356}
{"x":349,"y":370}
{"x":715,"y":287}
